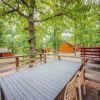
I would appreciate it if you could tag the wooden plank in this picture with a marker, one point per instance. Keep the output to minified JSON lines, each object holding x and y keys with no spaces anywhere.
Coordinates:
{"x":24,"y":91}
{"x":44,"y":82}
{"x":5,"y":89}
{"x":39,"y":71}
{"x":91,"y":94}
{"x":17,"y":88}
{"x":41,"y":79}
{"x":54,"y":88}
{"x":53,"y":75}
{"x":12,"y":89}
{"x":48,"y":81}
{"x":92,"y":77}
{"x":38,"y":83}
{"x":92,"y":65}
{"x":39,"y":89}
{"x":28,"y":87}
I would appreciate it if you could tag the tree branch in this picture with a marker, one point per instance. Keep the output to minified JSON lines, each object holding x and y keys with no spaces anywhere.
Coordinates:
{"x":8,"y":12}
{"x":21,"y":14}
{"x":7,"y":4}
{"x":45,"y":2}
{"x":35,"y":7}
{"x":24,"y":3}
{"x":56,"y":15}
{"x":17,"y":19}
{"x":16,"y":9}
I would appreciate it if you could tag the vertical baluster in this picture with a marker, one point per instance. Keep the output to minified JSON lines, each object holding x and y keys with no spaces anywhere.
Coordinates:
{"x":17,"y":63}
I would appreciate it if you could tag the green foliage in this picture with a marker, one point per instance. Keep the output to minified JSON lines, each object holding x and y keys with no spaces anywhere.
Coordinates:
{"x":51,"y":18}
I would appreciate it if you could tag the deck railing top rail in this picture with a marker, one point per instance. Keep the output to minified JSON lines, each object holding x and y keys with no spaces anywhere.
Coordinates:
{"x":90,"y":52}
{"x":33,"y":58}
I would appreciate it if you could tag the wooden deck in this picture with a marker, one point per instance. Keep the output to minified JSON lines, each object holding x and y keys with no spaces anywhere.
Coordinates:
{"x":93,"y":80}
{"x":39,"y":83}
{"x":91,"y":94}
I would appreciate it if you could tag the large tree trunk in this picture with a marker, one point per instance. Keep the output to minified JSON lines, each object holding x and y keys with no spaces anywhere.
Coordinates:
{"x":32,"y":35}
{"x":32,"y":40}
{"x":32,"y":31}
{"x":31,"y":26}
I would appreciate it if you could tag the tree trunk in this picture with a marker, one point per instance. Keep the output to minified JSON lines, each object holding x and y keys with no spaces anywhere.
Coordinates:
{"x":31,"y":26}
{"x":32,"y":40}
{"x":32,"y":35}
{"x":32,"y":32}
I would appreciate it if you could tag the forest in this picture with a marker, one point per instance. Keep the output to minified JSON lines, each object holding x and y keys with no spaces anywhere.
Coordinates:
{"x":26,"y":26}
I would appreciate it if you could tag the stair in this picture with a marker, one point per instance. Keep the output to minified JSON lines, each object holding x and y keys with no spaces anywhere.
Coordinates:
{"x":92,"y":64}
{"x":92,"y":71}
{"x":92,"y":77}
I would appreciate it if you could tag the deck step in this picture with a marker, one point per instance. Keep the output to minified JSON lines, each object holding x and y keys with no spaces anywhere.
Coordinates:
{"x":92,"y":77}
{"x":93,"y":70}
{"x":93,"y":65}
{"x":91,"y":94}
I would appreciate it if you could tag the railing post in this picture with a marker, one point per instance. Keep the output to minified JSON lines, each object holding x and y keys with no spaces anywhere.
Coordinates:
{"x":17,"y":63}
{"x":81,"y":52}
{"x":32,"y":60}
{"x":45,"y":58}
{"x":83,"y":61}
{"x":84,"y":52}
{"x":59,"y":58}
{"x":99,"y":52}
{"x":41,"y":58}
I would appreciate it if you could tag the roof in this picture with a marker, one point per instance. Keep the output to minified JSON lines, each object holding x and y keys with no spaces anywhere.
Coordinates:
{"x":68,"y":44}
{"x":3,"y":50}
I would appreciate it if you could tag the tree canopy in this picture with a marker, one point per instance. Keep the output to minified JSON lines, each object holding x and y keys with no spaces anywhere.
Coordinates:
{"x":29,"y":25}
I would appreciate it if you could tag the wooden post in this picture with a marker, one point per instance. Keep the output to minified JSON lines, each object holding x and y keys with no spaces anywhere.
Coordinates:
{"x":32,"y":61}
{"x":99,"y":52}
{"x":84,"y":52}
{"x":41,"y":58}
{"x":83,"y":61}
{"x":81,"y":52}
{"x":17,"y":63}
{"x":44,"y":58}
{"x":59,"y":58}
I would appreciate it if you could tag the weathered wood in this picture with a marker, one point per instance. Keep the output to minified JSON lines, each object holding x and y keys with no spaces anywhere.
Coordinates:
{"x":44,"y":82}
{"x":92,"y":71}
{"x":22,"y":90}
{"x":90,"y":52}
{"x":17,"y":62}
{"x":5,"y":90}
{"x":59,"y":58}
{"x":91,"y":94}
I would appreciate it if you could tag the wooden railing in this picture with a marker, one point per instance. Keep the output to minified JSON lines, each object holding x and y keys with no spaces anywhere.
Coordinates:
{"x":90,"y":52}
{"x":17,"y":61}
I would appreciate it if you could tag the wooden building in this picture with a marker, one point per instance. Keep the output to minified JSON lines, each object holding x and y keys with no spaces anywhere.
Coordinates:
{"x":4,"y":52}
{"x":66,"y":48}
{"x":45,"y":50}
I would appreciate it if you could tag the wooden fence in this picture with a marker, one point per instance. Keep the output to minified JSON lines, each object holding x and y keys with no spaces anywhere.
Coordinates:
{"x":17,"y":61}
{"x":90,"y":52}
{"x":32,"y":59}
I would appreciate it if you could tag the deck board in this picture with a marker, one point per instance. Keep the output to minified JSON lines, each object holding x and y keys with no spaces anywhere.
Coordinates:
{"x":44,"y":82}
{"x":91,"y":94}
{"x":21,"y":88}
{"x":4,"y":86}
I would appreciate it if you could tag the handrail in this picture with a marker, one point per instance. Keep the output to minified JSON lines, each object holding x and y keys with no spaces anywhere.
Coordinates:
{"x":61,"y":55}
{"x":90,"y":52}
{"x":43,"y":58}
{"x":17,"y":56}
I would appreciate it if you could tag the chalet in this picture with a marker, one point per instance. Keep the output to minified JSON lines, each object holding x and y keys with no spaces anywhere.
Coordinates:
{"x":4,"y":52}
{"x":45,"y":50}
{"x":66,"y":48}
